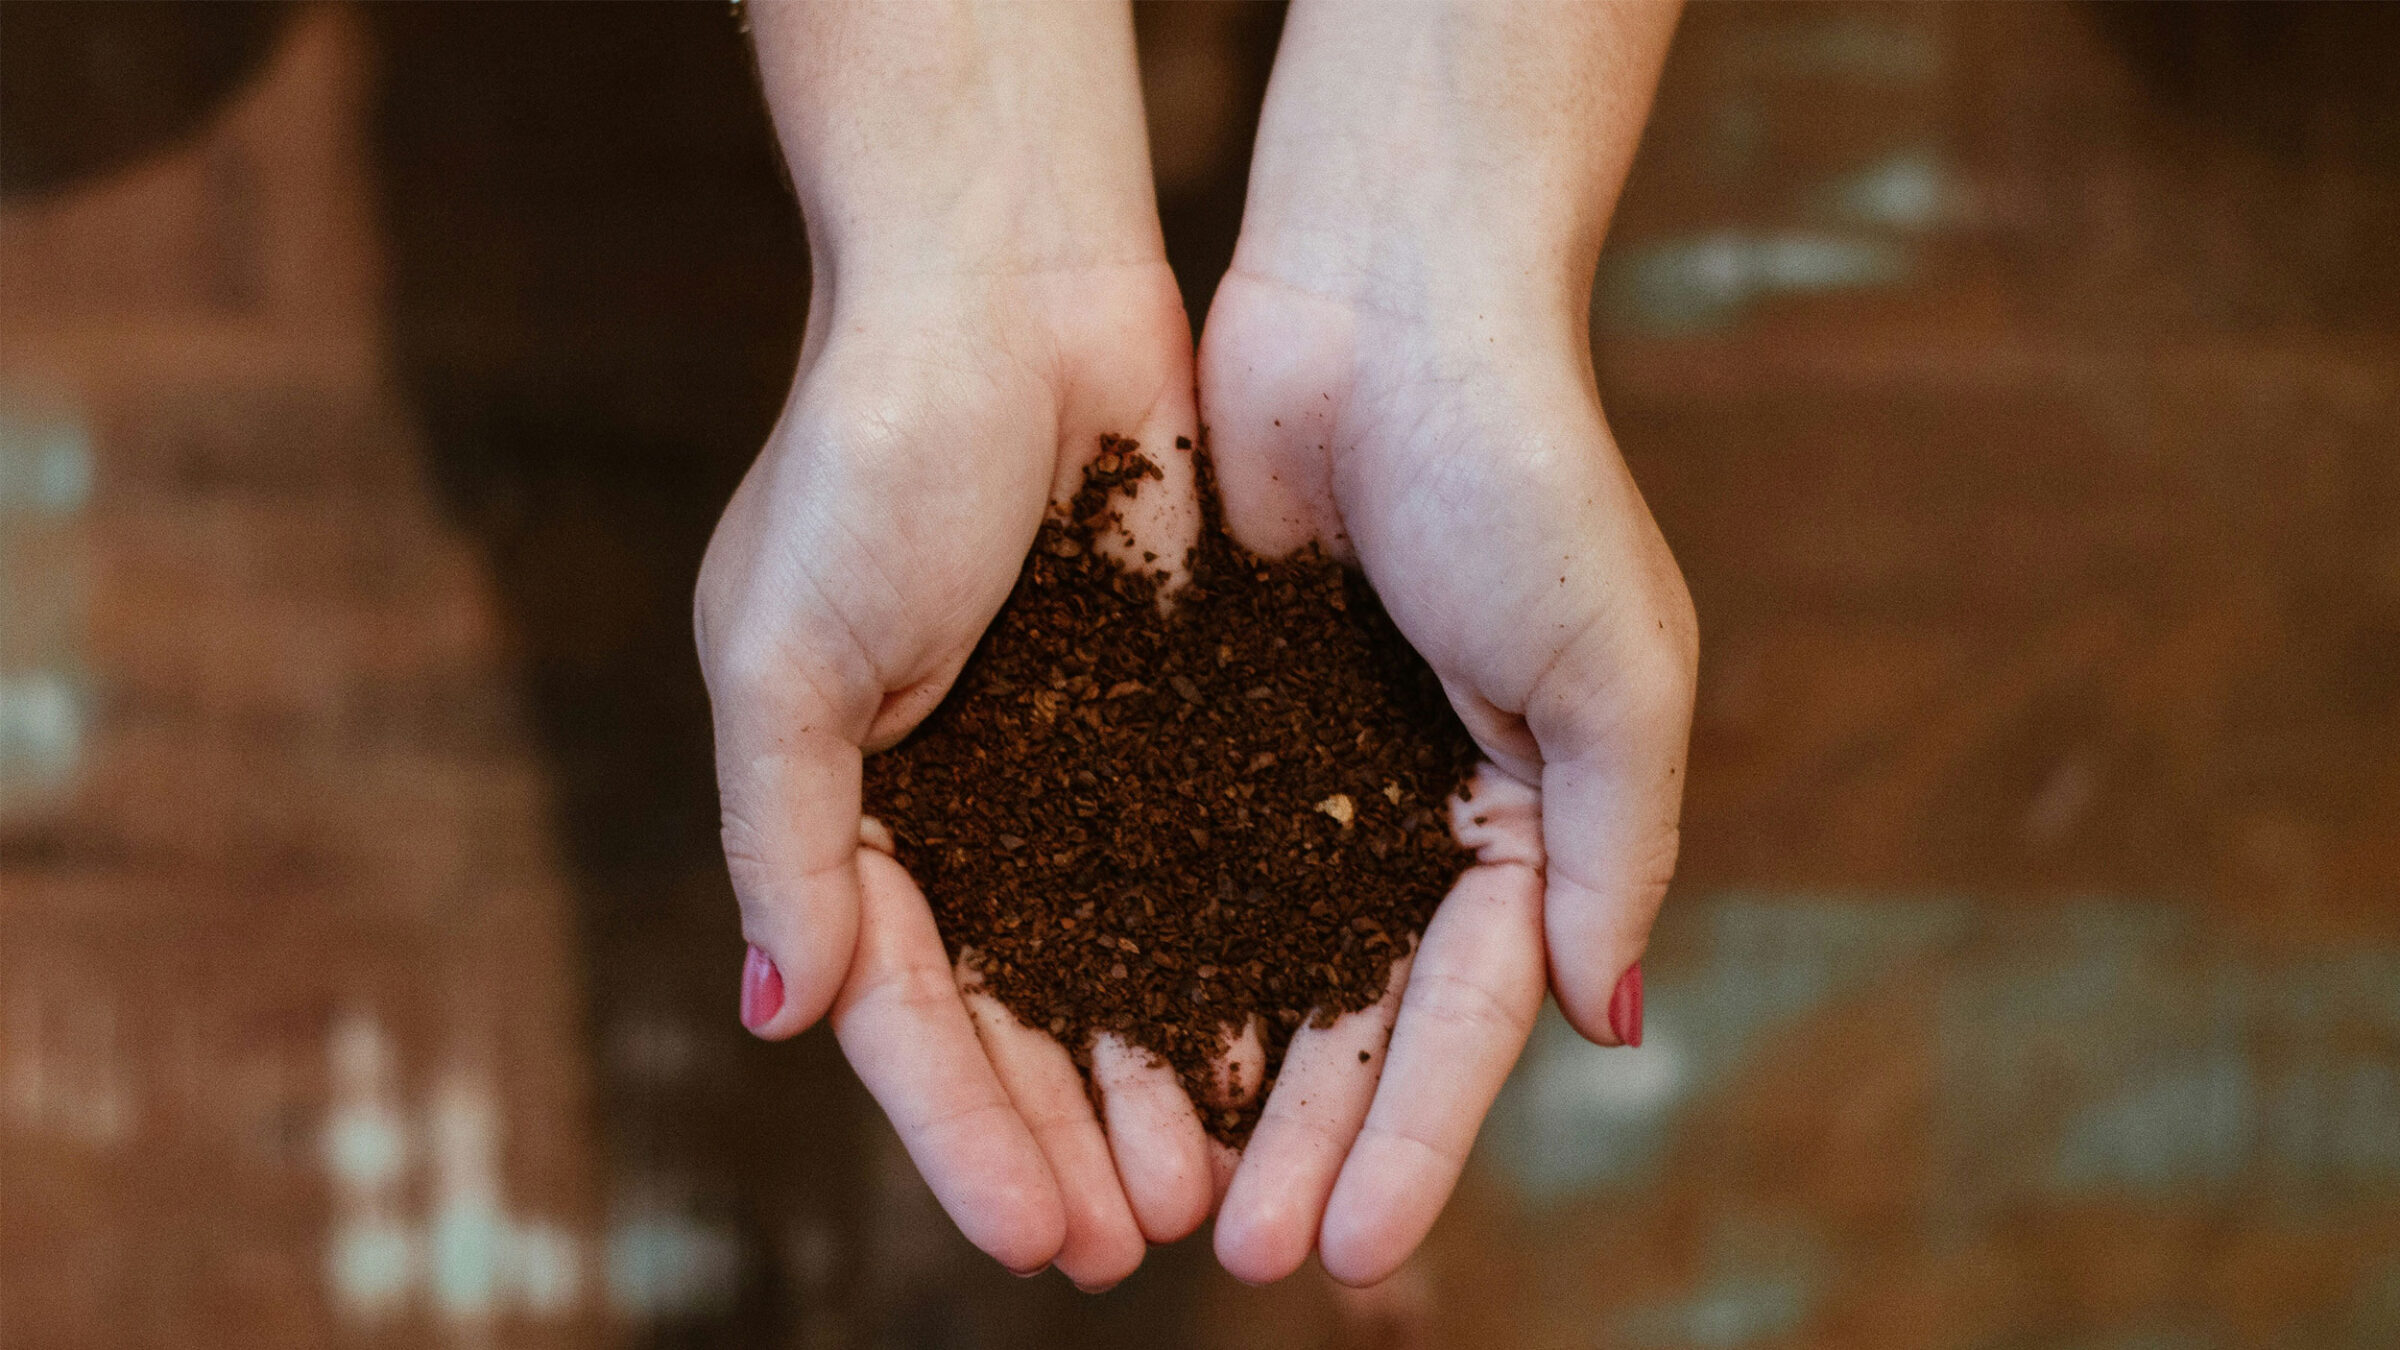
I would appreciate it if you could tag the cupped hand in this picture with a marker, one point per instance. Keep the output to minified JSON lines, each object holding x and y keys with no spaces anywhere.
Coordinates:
{"x":1461,"y":458}
{"x":854,"y":570}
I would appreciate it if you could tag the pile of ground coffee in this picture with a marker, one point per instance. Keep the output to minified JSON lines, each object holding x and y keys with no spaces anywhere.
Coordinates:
{"x":1159,"y":824}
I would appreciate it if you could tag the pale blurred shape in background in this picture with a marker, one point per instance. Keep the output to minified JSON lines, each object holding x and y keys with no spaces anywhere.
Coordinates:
{"x":2019,"y":386}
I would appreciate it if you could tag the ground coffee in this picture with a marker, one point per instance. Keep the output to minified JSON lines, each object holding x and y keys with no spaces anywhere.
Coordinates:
{"x":1162,"y":824}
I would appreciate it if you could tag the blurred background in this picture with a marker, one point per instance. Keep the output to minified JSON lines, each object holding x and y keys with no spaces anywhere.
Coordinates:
{"x":2019,"y":386}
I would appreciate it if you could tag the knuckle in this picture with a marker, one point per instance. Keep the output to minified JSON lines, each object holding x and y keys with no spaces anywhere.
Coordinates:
{"x":968,"y":1118}
{"x":1410,"y":1140}
{"x":743,"y":842}
{"x":1605,"y":920}
{"x":1466,"y":1006}
{"x":908,"y":991}
{"x":1651,"y":869}
{"x":753,"y":877}
{"x":747,"y":665}
{"x":1656,"y":685}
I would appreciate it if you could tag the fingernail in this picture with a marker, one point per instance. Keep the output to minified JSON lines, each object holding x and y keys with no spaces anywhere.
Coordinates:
{"x":1027,"y":1274}
{"x":762,"y":990}
{"x":1625,"y":1006}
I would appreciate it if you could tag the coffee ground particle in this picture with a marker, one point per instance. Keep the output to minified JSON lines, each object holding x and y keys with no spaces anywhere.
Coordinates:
{"x":1163,"y":824}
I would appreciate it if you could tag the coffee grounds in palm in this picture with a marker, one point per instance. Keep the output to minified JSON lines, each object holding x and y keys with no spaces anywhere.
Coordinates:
{"x":1162,"y":824}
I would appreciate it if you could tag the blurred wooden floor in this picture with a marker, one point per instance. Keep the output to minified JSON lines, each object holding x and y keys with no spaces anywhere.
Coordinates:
{"x":2018,"y":385}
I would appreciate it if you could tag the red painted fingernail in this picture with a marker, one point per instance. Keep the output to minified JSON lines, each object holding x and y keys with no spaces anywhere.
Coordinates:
{"x":1625,"y":1006}
{"x":762,"y":990}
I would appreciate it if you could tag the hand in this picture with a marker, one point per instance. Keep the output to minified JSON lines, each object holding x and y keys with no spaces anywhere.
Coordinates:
{"x":976,"y":324}
{"x":1398,"y":367}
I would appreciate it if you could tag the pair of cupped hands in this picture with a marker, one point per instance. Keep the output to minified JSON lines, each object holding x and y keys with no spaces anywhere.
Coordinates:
{"x":1397,"y":368}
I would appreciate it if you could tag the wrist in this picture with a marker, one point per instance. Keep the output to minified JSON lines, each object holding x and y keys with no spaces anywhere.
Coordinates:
{"x":961,"y":138}
{"x":1424,"y":271}
{"x":994,"y":200}
{"x":983,"y":227}
{"x":1404,"y":220}
{"x":1448,"y":157}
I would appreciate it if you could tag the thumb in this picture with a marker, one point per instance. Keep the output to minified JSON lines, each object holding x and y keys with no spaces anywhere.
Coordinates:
{"x":1613,"y":731}
{"x":788,"y":793}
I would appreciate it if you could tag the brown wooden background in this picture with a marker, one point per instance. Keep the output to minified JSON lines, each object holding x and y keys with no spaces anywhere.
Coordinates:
{"x":2019,"y":386}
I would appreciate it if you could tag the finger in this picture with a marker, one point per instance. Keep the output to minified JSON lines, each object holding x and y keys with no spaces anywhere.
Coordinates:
{"x":1155,"y":1136}
{"x":1268,"y":1222}
{"x":1267,"y":397}
{"x":1148,"y":399}
{"x":790,"y":806}
{"x":1103,"y":1244}
{"x":1469,"y":1005}
{"x":1223,"y":1161}
{"x":1240,"y":1072}
{"x":905,"y":1030}
{"x":1158,"y":519}
{"x":1612,"y":791}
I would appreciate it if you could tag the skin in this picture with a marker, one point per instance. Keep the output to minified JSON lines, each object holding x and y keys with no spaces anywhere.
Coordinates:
{"x":1397,"y":366}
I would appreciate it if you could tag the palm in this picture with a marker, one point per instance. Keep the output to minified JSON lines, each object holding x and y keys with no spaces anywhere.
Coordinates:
{"x":862,"y":540}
